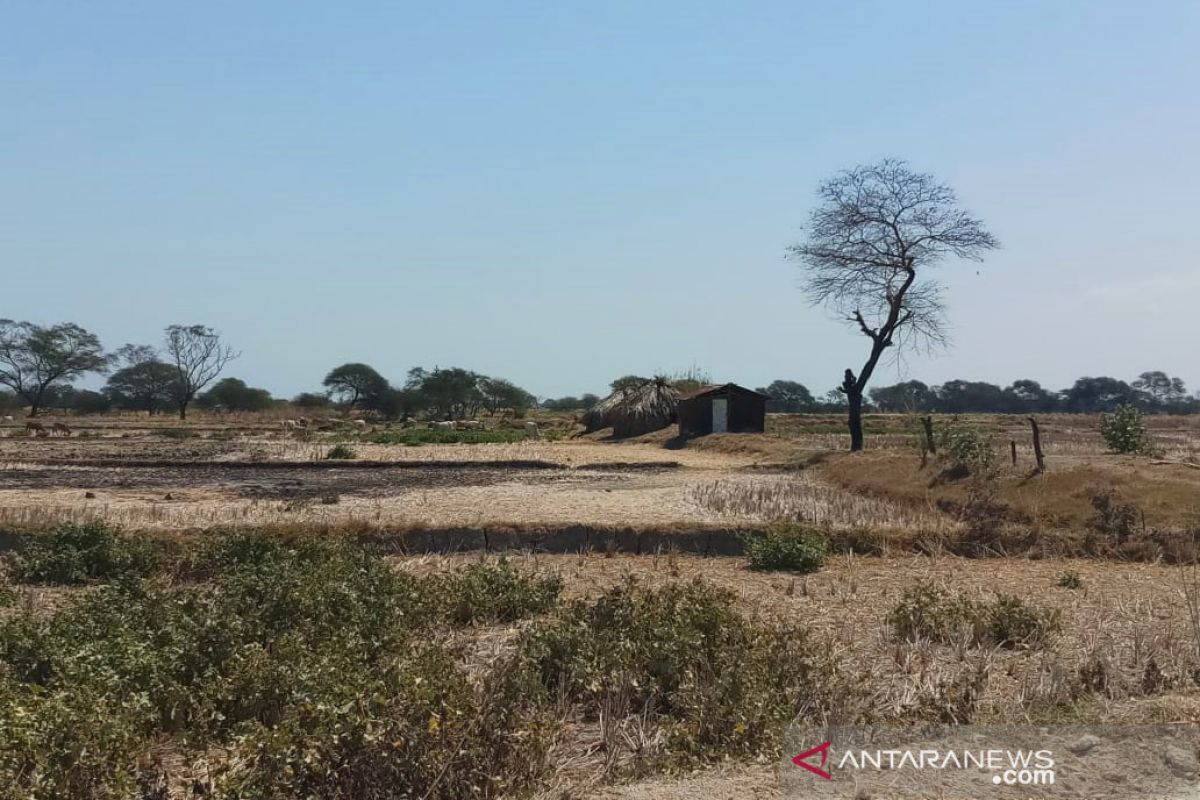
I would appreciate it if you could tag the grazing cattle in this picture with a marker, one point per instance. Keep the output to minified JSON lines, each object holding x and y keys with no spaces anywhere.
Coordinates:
{"x":359,"y":423}
{"x":531,"y":429}
{"x":8,"y":418}
{"x":469,"y":425}
{"x":441,"y":426}
{"x":35,"y":428}
{"x":61,"y":427}
{"x":408,"y":422}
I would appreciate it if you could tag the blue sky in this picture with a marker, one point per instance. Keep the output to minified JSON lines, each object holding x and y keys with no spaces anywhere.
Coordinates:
{"x":561,"y":193}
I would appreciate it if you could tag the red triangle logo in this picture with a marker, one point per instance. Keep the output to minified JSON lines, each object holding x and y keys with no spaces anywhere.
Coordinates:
{"x":801,"y":760}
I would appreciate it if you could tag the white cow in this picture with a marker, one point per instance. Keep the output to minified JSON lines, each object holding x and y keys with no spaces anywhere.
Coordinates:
{"x":469,"y":425}
{"x":360,"y":423}
{"x":441,"y":426}
{"x":8,"y":418}
{"x":291,"y":425}
{"x":531,"y":429}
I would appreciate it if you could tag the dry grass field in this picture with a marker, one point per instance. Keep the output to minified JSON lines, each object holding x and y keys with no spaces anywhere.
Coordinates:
{"x":1124,"y":645}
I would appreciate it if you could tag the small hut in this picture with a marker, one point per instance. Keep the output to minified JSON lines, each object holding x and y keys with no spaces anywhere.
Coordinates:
{"x":634,"y":410}
{"x":723,"y":408}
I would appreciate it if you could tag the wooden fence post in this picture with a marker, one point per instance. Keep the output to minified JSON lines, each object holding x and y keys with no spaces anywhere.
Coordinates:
{"x":1037,"y":444}
{"x":1012,"y":444}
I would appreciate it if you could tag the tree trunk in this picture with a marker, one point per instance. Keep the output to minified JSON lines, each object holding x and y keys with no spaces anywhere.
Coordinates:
{"x":183,"y":410}
{"x":854,"y":398}
{"x":930,"y":444}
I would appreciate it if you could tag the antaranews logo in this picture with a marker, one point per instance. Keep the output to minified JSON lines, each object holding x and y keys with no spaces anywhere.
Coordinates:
{"x":1008,"y":767}
{"x":801,"y":760}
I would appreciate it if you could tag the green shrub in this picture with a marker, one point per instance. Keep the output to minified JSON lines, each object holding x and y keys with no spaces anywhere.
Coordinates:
{"x":716,"y":683}
{"x":341,"y":452}
{"x":970,"y":452}
{"x":75,"y":554}
{"x":310,"y":659}
{"x":927,"y":612}
{"x":493,"y":593}
{"x":786,"y":548}
{"x":1124,"y":430}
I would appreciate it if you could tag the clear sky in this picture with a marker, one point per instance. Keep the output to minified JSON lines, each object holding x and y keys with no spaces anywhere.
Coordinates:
{"x":561,"y":193}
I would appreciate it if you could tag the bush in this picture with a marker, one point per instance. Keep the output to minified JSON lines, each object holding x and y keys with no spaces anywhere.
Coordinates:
{"x":786,"y":548}
{"x":341,"y":452}
{"x":316,"y":667}
{"x":715,"y":683}
{"x":75,"y":554}
{"x":970,"y":452}
{"x":926,"y":612}
{"x":493,"y":593}
{"x":1124,"y":430}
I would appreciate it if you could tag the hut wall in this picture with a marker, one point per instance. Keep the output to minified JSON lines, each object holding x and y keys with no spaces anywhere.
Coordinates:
{"x":745,"y":413}
{"x":695,"y":416}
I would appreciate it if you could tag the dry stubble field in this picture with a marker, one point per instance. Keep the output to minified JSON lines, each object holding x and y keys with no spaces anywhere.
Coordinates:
{"x":1127,"y":627}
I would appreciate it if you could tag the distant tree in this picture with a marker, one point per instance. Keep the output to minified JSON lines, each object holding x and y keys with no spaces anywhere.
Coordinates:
{"x":499,"y":393}
{"x":143,"y":382}
{"x":311,"y":400}
{"x":788,"y":397}
{"x":1026,"y":396}
{"x":907,"y":397}
{"x":568,"y":403}
{"x":34,"y":358}
{"x":198,"y":356}
{"x":453,"y":392}
{"x":966,"y":397}
{"x":86,"y":401}
{"x":587,"y":400}
{"x":232,"y":394}
{"x":1163,"y":390}
{"x":355,"y":385}
{"x":1092,"y":395}
{"x":871,"y":242}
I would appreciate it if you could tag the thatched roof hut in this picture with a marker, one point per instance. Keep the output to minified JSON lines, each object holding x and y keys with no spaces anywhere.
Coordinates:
{"x":634,"y":410}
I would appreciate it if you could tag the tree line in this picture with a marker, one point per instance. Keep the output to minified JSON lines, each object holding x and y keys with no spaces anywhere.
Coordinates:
{"x":1153,"y":392}
{"x":39,"y":364}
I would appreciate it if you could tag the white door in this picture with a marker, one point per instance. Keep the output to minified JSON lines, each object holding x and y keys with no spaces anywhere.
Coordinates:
{"x":720,"y":415}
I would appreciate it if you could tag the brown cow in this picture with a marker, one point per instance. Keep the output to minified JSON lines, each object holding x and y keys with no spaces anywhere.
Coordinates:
{"x":36,"y":428}
{"x":61,"y":427}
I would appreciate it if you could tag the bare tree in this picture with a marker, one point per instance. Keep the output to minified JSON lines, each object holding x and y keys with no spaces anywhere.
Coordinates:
{"x":871,"y":241}
{"x":33,"y":358}
{"x":198,"y":356}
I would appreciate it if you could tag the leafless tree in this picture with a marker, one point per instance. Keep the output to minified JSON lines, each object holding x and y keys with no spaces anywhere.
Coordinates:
{"x":872,"y":240}
{"x":198,"y":356}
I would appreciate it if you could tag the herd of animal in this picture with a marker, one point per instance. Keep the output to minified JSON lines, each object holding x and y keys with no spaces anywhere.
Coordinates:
{"x":304,"y":425}
{"x":38,"y":429}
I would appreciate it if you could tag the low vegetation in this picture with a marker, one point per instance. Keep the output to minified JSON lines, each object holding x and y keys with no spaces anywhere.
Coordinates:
{"x":259,"y":667}
{"x":75,"y":554}
{"x":786,"y":548}
{"x":926,"y":612}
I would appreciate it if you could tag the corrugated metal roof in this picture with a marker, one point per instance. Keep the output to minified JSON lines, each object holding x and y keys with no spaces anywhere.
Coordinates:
{"x":715,"y":388}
